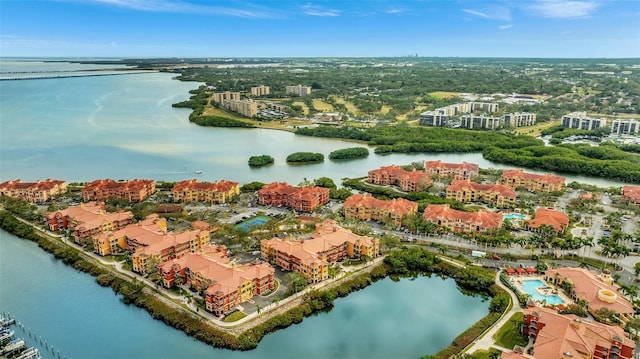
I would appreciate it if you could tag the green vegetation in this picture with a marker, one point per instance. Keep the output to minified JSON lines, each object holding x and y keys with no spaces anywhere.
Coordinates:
{"x":305,"y":157}
{"x":509,"y":335}
{"x":235,"y":316}
{"x":216,"y":121}
{"x":251,"y":186}
{"x":349,"y":153}
{"x":258,"y":161}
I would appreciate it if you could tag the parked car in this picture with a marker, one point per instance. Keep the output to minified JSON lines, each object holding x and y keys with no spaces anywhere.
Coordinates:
{"x":496,"y":257}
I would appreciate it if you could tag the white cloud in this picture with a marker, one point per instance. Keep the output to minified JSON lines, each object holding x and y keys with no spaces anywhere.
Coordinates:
{"x":316,"y":10}
{"x":564,"y":8}
{"x":504,"y":27}
{"x":395,"y":10}
{"x":492,"y":13}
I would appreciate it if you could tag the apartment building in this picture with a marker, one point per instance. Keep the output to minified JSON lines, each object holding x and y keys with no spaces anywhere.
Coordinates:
{"x":625,"y":127}
{"x":224,"y":285}
{"x":499,"y":195}
{"x":597,"y":290}
{"x":34,"y":192}
{"x":532,"y":182}
{"x":261,"y":90}
{"x":298,"y":90}
{"x":580,"y":120}
{"x":481,"y":122}
{"x":631,"y":194}
{"x":212,"y":192}
{"x":304,"y":199}
{"x":459,"y":171}
{"x":246,"y":108}
{"x":311,"y":257}
{"x":227,"y":95}
{"x":367,"y":208}
{"x":445,"y":116}
{"x":136,"y":190}
{"x":113,"y":242}
{"x":570,"y":337}
{"x":548,"y":217}
{"x":520,"y":119}
{"x":87,"y":219}
{"x":460,"y":221}
{"x":396,"y":175}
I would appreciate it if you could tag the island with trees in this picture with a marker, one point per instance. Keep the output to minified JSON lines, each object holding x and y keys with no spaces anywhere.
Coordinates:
{"x":349,"y":153}
{"x":305,"y":157}
{"x":259,"y":161}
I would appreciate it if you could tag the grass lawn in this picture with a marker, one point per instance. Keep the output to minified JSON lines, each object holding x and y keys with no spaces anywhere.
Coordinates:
{"x":213,"y":111}
{"x":508,"y":336}
{"x":350,"y":106}
{"x":322,"y":106}
{"x":536,"y":129}
{"x":443,"y":94}
{"x":237,"y":315}
{"x":483,"y":354}
{"x":305,"y":109}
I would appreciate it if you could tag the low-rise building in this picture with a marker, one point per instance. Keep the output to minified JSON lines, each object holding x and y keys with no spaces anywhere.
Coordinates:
{"x":533,"y":182}
{"x":212,"y":192}
{"x":596,"y":290}
{"x":580,"y":120}
{"x":34,"y":192}
{"x":219,"y":97}
{"x":569,"y":337}
{"x":298,"y":90}
{"x":367,"y":208}
{"x":224,"y":285}
{"x":247,"y":108}
{"x":520,"y":119}
{"x":499,"y":195}
{"x":261,"y":90}
{"x":396,"y":175}
{"x":87,"y":219}
{"x":631,"y":194}
{"x":304,"y":199}
{"x":459,"y":171}
{"x":549,"y":218}
{"x":136,"y":190}
{"x":481,"y":122}
{"x":311,"y":257}
{"x":627,"y":126}
{"x":461,"y":221}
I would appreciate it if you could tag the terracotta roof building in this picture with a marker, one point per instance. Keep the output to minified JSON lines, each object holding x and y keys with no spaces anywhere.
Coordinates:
{"x":136,"y":190}
{"x":460,"y":221}
{"x":597,"y":290}
{"x":631,"y":194}
{"x":87,"y":219}
{"x":466,"y":191}
{"x":224,"y":285}
{"x":549,"y":217}
{"x":311,"y":257}
{"x":304,"y":199}
{"x":396,"y":175}
{"x":212,"y":192}
{"x":570,"y":337}
{"x":533,"y":182}
{"x":459,"y":171}
{"x":367,"y":208}
{"x":34,"y":192}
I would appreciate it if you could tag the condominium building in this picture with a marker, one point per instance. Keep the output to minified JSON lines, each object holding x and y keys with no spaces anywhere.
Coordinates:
{"x":497,"y":194}
{"x":596,"y":290}
{"x":519,"y":119}
{"x":135,"y":190}
{"x":125,"y":239}
{"x":532,"y":182}
{"x":446,"y":116}
{"x":298,"y":90}
{"x":625,"y":127}
{"x":311,"y":257}
{"x":227,"y":95}
{"x":569,"y":337}
{"x":549,"y":218}
{"x":631,"y":194}
{"x":304,"y":199}
{"x":212,"y":192}
{"x":460,"y":221}
{"x":261,"y":90}
{"x":87,"y":219}
{"x":459,"y":171}
{"x":367,"y":208}
{"x":224,"y":285}
{"x":247,"y":108}
{"x":34,"y":192}
{"x":481,"y":122}
{"x":580,"y":120}
{"x":396,"y":175}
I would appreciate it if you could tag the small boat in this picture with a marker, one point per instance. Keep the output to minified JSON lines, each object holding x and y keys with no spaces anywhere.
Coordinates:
{"x":197,"y":172}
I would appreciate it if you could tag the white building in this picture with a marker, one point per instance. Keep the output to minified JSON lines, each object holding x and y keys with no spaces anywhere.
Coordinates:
{"x":580,"y":120}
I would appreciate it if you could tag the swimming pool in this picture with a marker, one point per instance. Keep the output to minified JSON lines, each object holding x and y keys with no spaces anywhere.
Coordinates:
{"x":529,"y":286}
{"x":250,"y":223}
{"x":513,"y":216}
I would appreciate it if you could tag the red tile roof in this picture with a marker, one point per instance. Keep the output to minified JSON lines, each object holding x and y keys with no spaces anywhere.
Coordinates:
{"x":632,"y":193}
{"x":545,"y":178}
{"x":549,"y":217}
{"x":451,"y":166}
{"x":193,"y":184}
{"x":397,"y":206}
{"x":460,"y":220}
{"x":462,"y":185}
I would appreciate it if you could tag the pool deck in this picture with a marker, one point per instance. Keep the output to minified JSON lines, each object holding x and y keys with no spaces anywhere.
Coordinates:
{"x":550,"y":289}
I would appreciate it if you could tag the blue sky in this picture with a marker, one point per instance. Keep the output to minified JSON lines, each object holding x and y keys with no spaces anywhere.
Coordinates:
{"x":270,"y":28}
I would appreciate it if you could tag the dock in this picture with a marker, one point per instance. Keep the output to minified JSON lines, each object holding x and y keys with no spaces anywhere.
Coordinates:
{"x":14,"y":348}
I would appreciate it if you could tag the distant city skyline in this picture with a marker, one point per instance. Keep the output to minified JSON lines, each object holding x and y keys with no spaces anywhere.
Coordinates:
{"x":288,"y":28}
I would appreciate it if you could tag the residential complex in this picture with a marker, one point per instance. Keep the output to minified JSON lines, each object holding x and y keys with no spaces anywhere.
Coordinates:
{"x":581,"y":121}
{"x":87,"y":219}
{"x":133,"y":191}
{"x":212,"y":192}
{"x":34,"y":192}
{"x":247,"y":108}
{"x":219,"y":97}
{"x":460,"y":221}
{"x":459,"y":171}
{"x":499,"y":195}
{"x":532,"y":182}
{"x":474,"y":115}
{"x":304,"y":199}
{"x":570,"y":337}
{"x":520,"y":119}
{"x":625,"y":127}
{"x":225,"y":285}
{"x":298,"y":90}
{"x":367,"y":208}
{"x":631,"y":194}
{"x":311,"y":257}
{"x":396,"y":175}
{"x":548,"y":217}
{"x":480,"y":122}
{"x":261,"y":90}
